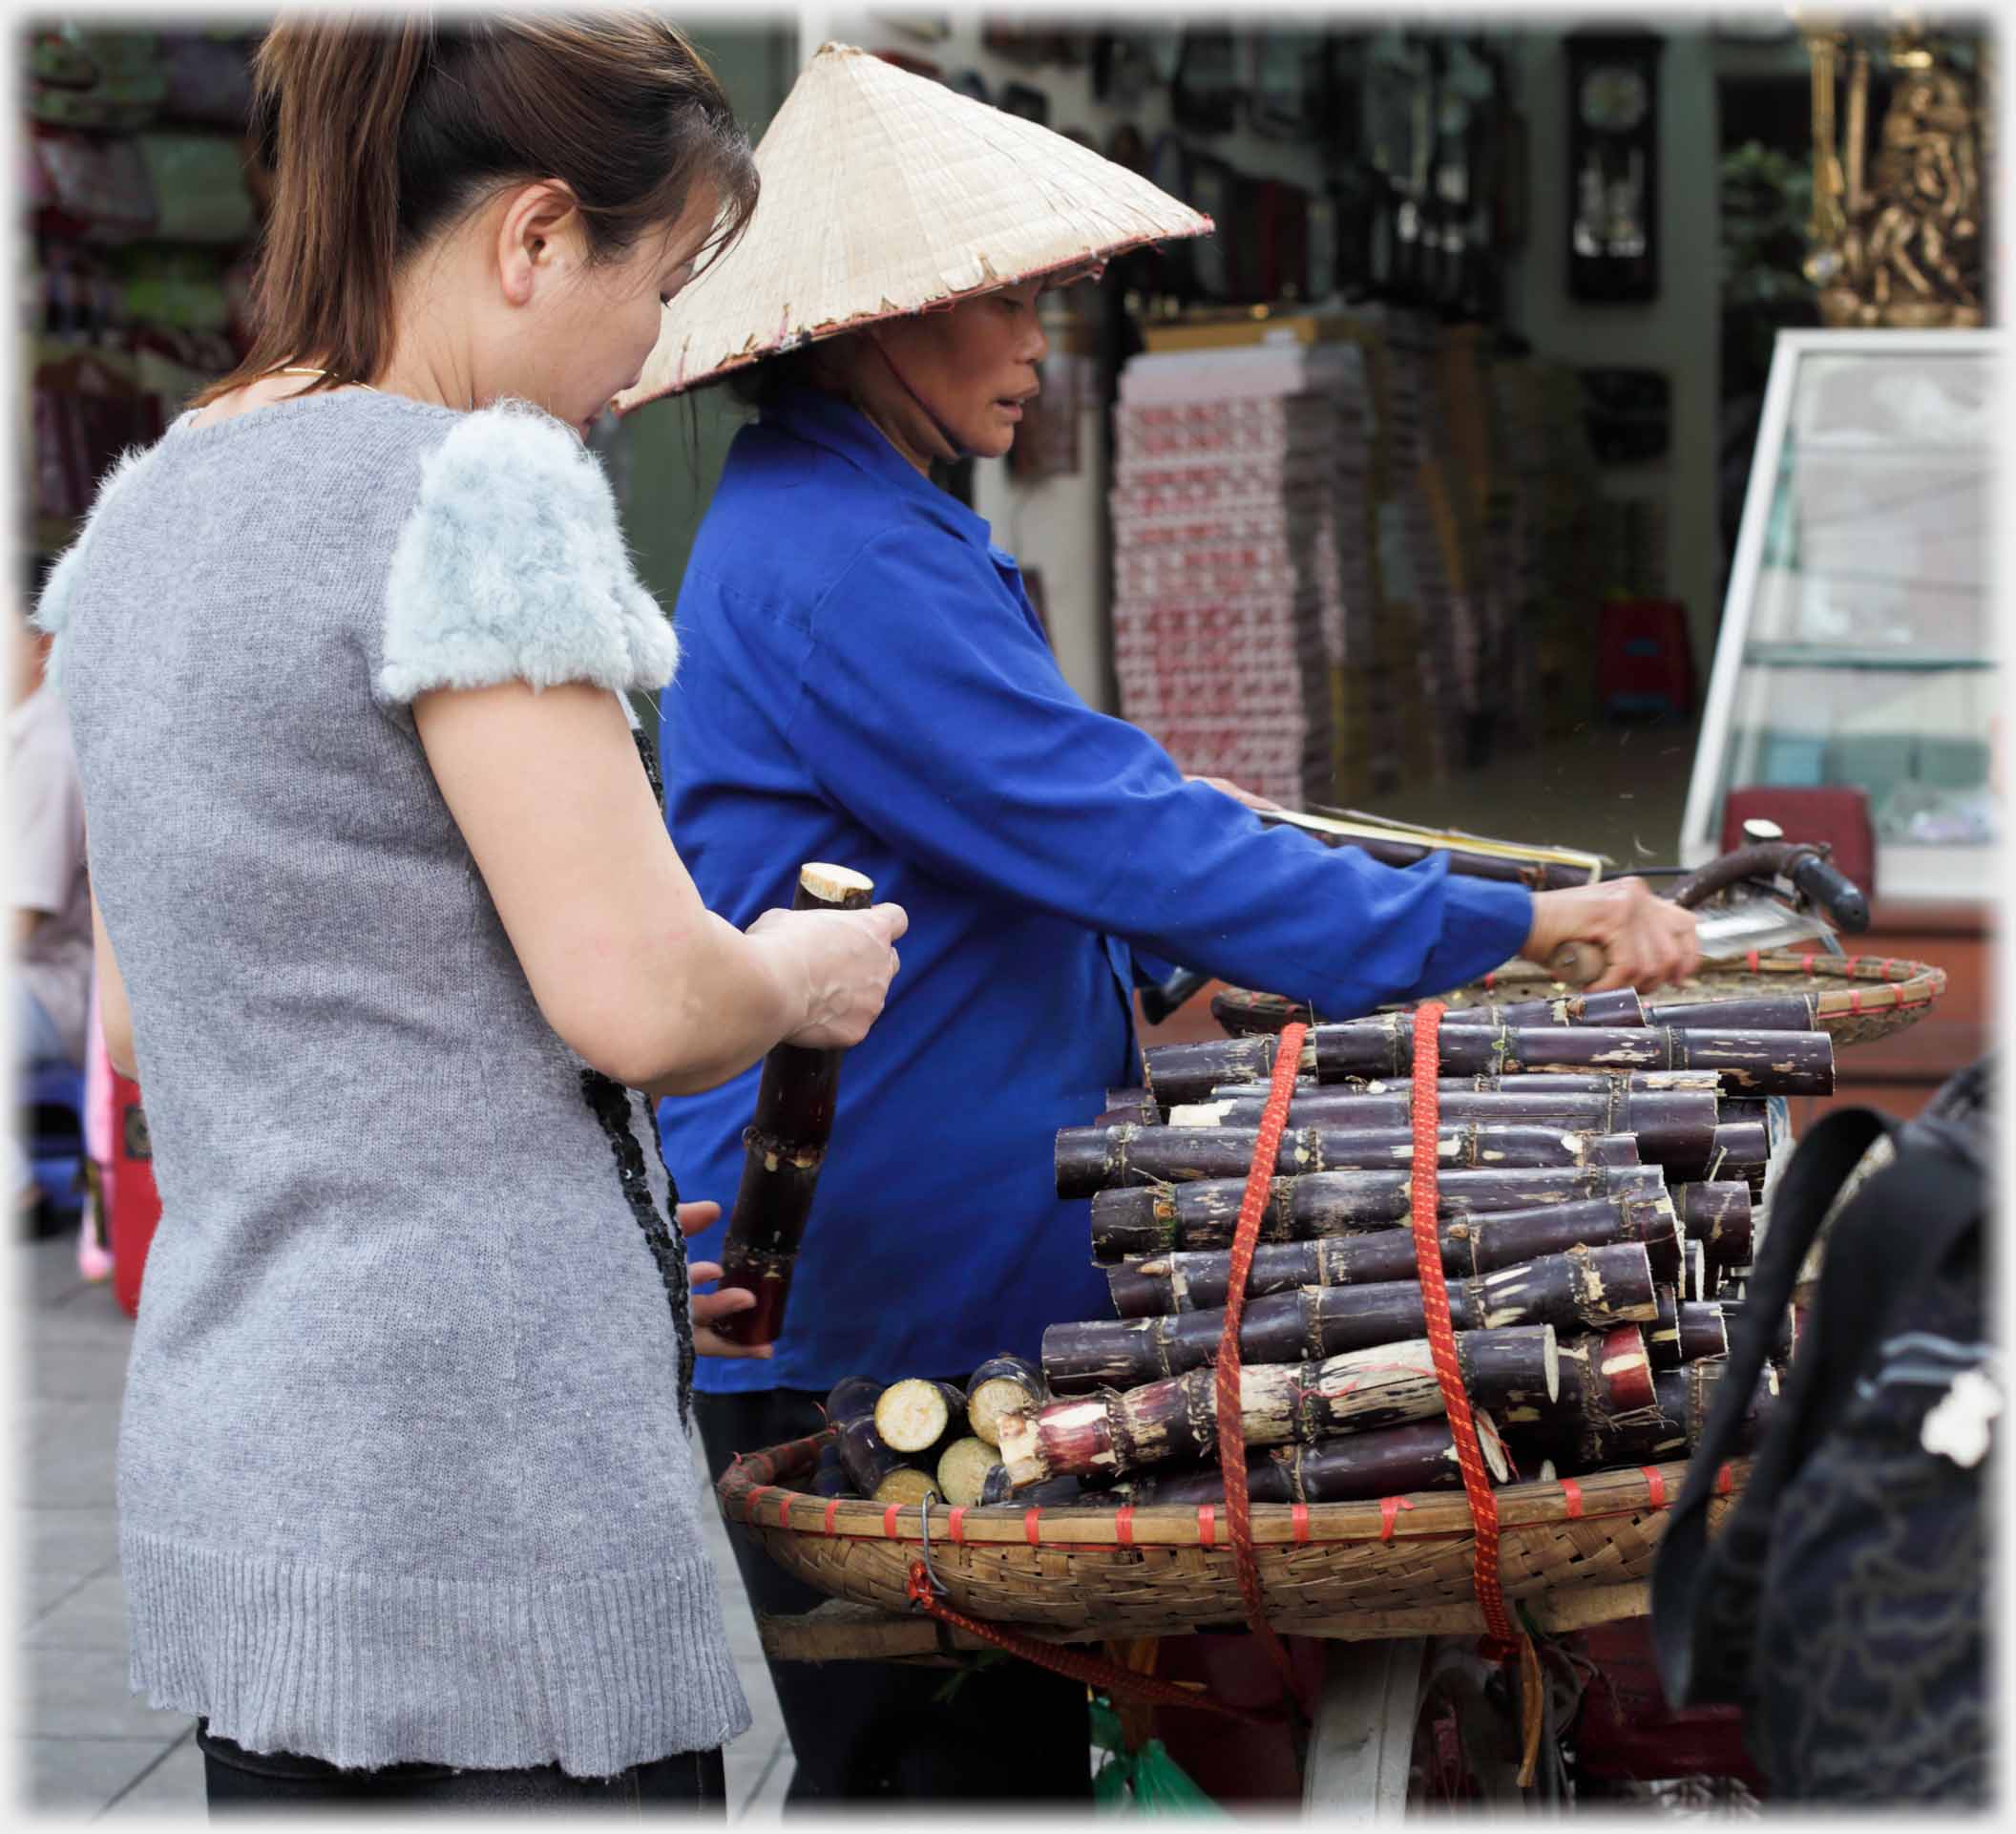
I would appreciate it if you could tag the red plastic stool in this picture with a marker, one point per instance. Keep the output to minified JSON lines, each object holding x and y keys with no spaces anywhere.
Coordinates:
{"x":1838,"y":817}
{"x":1644,"y":662}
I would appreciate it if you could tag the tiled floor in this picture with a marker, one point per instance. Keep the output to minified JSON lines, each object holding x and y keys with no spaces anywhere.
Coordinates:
{"x":85,"y":1747}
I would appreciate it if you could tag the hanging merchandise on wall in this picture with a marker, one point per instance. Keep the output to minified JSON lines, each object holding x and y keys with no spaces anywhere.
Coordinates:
{"x":1612,"y":188}
{"x":1208,"y":91}
{"x":142,"y":218}
{"x":1284,"y":83}
{"x":1026,"y":101}
{"x":1123,"y":68}
{"x":1630,"y":414}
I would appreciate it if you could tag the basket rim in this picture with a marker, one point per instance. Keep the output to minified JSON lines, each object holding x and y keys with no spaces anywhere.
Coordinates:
{"x":753,"y":1491}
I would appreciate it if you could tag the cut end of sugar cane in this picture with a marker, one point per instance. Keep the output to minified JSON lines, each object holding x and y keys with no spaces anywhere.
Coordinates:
{"x":1022,"y":1447}
{"x":908,"y":1486}
{"x":915,"y":1415}
{"x":839,"y":886}
{"x":962,"y":1471}
{"x":1000,"y":1385}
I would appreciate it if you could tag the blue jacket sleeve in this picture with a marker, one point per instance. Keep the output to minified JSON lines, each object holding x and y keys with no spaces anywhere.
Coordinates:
{"x":933,"y":711}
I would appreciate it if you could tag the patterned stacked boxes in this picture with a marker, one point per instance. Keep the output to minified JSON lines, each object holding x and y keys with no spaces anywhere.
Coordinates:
{"x":1347,"y":562}
{"x":1228,"y":615}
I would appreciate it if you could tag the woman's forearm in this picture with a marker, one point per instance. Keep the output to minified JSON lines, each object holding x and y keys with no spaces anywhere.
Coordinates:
{"x":730,"y":1000}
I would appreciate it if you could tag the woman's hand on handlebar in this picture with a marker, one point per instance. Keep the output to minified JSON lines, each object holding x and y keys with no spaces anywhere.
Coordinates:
{"x":836,"y":966}
{"x":1648,"y":942}
{"x":723,"y":1303}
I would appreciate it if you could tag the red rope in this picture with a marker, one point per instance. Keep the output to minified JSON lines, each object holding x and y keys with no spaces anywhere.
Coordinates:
{"x":1231,"y":1423}
{"x":1434,"y":1306}
{"x":1093,"y":1671}
{"x":1506,"y":1640}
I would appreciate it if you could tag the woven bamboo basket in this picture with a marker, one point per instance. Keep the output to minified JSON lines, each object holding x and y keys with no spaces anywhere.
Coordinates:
{"x":1400,"y":1564}
{"x":1856,"y":999}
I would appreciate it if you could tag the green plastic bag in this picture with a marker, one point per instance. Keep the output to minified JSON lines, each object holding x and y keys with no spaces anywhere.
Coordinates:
{"x":1147,"y":1782}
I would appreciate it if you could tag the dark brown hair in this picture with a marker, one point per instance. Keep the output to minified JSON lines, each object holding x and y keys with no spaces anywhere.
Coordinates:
{"x":383,"y":133}
{"x":767,"y":381}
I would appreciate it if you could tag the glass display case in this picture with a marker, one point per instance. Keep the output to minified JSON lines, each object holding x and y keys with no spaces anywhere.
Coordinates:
{"x":1858,"y":638}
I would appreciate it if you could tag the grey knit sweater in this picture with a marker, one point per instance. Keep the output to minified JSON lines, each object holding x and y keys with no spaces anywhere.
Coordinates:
{"x":403,"y":1466}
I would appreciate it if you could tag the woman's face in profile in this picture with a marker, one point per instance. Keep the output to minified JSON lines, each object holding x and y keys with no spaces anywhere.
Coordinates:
{"x":585,"y":339}
{"x":974,"y":364}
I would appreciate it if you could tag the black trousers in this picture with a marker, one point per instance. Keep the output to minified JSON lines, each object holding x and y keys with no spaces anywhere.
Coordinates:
{"x":256,"y":1783}
{"x":1002,"y":1731}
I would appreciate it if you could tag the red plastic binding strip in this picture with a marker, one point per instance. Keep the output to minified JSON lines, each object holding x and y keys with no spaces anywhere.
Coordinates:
{"x":1726,"y":1480}
{"x":1298,"y":1521}
{"x":1491,"y":980}
{"x":753,"y":1502}
{"x":1030,"y":1529}
{"x":1571,"y":1494}
{"x":1809,"y":962}
{"x":1389,"y":1508}
{"x":955,"y":1528}
{"x":1206,"y":1526}
{"x":832,"y":1513}
{"x":1855,"y":1001}
{"x":1755,"y":967}
{"x":1655,"y":1486}
{"x":889,"y":1522}
{"x":784,"y":1508}
{"x":1123,"y":1524}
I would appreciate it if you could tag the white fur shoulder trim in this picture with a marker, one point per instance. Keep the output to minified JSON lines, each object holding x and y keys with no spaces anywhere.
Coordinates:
{"x":511,"y":568}
{"x":52,"y":612}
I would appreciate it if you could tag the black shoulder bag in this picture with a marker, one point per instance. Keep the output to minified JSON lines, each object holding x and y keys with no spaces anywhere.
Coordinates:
{"x":1843,"y":1603}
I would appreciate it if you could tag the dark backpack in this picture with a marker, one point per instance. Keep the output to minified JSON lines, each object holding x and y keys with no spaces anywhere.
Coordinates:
{"x":1843,"y":1603}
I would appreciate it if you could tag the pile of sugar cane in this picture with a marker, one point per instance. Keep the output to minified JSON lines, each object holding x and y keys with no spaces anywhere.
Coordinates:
{"x":920,"y":1438}
{"x":1600,"y":1161}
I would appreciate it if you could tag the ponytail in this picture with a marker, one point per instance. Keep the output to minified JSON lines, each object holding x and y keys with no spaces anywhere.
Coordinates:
{"x":333,"y":97}
{"x":382,"y":134}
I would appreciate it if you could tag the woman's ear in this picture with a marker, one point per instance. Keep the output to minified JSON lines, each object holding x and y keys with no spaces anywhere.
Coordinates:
{"x":538,"y":234}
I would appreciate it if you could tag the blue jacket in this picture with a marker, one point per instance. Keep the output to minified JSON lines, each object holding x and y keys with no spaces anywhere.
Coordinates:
{"x":863,"y":680}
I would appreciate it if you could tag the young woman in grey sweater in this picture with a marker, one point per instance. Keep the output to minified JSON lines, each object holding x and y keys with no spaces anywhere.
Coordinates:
{"x":390,"y":929}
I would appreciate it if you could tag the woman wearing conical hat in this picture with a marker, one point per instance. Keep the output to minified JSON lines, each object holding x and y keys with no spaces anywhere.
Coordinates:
{"x":864,"y":681}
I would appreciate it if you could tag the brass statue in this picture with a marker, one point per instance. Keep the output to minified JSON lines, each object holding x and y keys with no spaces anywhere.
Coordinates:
{"x":1907,"y":247}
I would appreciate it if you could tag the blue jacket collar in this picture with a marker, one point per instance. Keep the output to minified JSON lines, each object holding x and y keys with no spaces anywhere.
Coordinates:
{"x":840,"y":428}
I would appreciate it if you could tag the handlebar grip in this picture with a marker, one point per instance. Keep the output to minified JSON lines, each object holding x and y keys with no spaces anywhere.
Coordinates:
{"x":1578,"y":963}
{"x":1157,"y":1003}
{"x":1833,"y":890}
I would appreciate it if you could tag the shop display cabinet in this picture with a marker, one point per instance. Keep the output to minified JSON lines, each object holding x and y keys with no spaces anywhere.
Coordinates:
{"x":1859,"y":642}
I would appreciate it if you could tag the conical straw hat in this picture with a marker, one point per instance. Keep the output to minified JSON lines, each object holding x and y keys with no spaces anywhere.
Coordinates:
{"x":884,"y":193}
